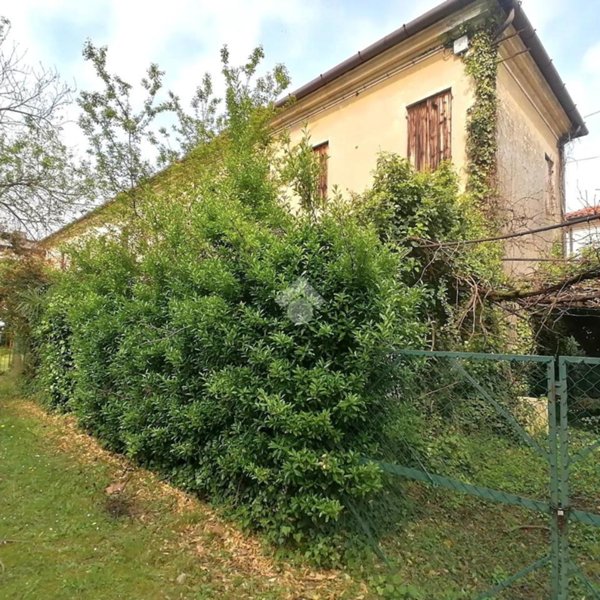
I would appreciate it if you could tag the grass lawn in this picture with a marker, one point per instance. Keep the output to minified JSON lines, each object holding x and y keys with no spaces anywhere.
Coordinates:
{"x":66,"y":531}
{"x":79,"y":522}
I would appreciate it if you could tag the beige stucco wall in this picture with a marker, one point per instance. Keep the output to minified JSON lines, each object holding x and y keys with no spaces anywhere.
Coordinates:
{"x":530,"y":187}
{"x":375,"y":120}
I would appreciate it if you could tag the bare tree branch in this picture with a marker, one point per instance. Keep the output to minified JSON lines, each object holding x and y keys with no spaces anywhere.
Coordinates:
{"x":40,"y":179}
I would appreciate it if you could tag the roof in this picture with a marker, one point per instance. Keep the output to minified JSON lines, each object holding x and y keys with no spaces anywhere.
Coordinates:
{"x":166,"y":172}
{"x":583,"y":213}
{"x":520,"y":22}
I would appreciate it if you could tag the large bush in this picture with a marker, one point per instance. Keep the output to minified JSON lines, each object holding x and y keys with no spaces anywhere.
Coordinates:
{"x":247,"y":354}
{"x":237,"y":349}
{"x":244,"y":360}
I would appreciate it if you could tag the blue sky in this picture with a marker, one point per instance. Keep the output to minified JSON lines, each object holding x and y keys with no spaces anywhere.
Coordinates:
{"x":308,"y":36}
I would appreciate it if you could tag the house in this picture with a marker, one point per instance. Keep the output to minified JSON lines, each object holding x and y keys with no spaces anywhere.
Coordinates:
{"x":584,"y":229}
{"x":411,"y":93}
{"x":414,"y":93}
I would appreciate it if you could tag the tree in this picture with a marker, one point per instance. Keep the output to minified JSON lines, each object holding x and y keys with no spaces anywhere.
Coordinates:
{"x":40,"y":179}
{"x":120,"y":135}
{"x":129,"y":140}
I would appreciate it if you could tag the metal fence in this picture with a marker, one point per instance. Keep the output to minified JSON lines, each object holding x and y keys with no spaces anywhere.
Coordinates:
{"x":511,"y":458}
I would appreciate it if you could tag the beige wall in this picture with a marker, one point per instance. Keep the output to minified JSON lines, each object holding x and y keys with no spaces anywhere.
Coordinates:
{"x":530,"y":186}
{"x":374,"y":120}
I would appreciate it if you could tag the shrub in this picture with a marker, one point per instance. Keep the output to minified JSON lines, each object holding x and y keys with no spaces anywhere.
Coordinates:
{"x":417,"y":213}
{"x":24,"y":279}
{"x":211,"y":359}
{"x":52,"y":338}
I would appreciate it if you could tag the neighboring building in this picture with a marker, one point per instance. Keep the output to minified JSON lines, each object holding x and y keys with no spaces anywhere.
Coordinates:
{"x":584,"y":230}
{"x":409,"y":93}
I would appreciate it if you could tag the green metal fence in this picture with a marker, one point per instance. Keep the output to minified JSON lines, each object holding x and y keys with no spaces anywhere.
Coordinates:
{"x":520,"y":436}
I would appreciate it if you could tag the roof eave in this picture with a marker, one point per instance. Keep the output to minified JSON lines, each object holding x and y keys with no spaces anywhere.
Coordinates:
{"x":522,"y":24}
{"x":407,"y":30}
{"x":546,"y":66}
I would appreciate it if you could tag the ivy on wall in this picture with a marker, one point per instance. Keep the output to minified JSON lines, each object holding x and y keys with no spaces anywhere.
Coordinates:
{"x":481,"y":63}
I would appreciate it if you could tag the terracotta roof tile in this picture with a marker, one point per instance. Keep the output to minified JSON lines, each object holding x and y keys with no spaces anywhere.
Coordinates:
{"x":588,"y":211}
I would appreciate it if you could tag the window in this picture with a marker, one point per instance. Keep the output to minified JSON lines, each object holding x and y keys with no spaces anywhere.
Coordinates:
{"x":430,"y":131}
{"x":321,"y":152}
{"x":549,"y":194}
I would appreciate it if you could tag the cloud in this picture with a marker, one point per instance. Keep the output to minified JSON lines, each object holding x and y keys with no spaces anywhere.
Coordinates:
{"x":583,"y":166}
{"x":311,"y":36}
{"x":183,"y":36}
{"x":138,"y":33}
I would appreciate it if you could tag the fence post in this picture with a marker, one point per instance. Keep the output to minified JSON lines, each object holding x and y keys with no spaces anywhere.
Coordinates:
{"x":554,"y":486}
{"x":561,"y":508}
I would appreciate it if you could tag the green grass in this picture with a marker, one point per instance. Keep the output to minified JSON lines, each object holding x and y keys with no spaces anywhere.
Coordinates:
{"x":62,"y":536}
{"x":67,"y":532}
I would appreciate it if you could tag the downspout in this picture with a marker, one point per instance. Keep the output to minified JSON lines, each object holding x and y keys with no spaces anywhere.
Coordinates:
{"x":563,"y":140}
{"x":507,"y":23}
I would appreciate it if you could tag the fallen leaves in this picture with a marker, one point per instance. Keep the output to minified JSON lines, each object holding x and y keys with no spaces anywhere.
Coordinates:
{"x":222,"y":551}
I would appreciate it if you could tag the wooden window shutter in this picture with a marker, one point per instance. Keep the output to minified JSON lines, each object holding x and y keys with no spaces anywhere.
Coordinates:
{"x":322,"y":152}
{"x":430,"y":131}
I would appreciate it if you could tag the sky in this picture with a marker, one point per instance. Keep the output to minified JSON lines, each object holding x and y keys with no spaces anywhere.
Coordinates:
{"x":308,"y":36}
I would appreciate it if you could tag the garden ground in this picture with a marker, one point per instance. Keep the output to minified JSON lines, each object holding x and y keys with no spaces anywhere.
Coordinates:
{"x":78,"y":521}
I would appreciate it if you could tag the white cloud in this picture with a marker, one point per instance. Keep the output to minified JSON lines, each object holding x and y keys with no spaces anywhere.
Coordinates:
{"x":139,"y":32}
{"x":184,"y":36}
{"x":583,"y":166}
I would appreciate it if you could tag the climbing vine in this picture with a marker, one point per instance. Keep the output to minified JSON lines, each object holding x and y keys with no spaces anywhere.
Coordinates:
{"x":481,"y":64}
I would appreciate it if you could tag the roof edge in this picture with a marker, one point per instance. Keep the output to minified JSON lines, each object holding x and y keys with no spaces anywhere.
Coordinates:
{"x":545,"y":64}
{"x":522,"y":24}
{"x":431,"y":17}
{"x":583,"y":215}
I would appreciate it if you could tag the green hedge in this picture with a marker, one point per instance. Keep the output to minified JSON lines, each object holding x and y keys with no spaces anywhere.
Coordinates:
{"x":192,"y":358}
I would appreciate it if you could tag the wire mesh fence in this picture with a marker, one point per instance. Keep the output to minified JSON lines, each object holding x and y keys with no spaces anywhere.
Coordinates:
{"x":503,"y":476}
{"x":579,"y":381}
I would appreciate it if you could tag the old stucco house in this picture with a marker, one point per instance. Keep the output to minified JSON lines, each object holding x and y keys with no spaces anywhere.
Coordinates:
{"x":411,"y":93}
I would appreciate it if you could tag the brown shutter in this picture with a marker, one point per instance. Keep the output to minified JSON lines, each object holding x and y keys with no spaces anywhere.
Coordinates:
{"x":430,"y":131}
{"x":322,"y":151}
